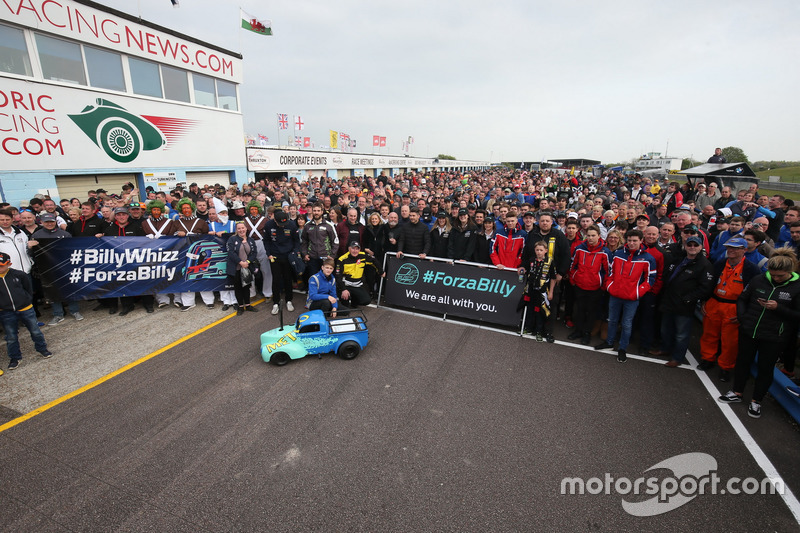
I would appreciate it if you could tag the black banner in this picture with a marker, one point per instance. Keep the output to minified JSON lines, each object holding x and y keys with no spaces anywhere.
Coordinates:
{"x":468,"y":291}
{"x":88,"y":267}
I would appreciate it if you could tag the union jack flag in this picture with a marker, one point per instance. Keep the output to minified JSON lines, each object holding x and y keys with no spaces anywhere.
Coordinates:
{"x":283,"y":121}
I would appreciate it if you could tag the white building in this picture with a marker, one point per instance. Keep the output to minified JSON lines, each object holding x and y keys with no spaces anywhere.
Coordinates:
{"x":654,"y":161}
{"x":91,"y":97}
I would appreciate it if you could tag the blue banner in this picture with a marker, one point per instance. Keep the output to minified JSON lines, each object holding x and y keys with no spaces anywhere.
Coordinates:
{"x":107,"y":267}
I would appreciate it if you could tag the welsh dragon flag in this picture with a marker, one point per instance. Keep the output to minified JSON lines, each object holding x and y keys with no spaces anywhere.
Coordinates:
{"x":249,"y":22}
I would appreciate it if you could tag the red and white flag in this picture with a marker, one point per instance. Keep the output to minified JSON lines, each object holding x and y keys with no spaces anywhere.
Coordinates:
{"x":306,"y":142}
{"x":298,"y":123}
{"x":376,"y":140}
{"x":383,"y":142}
{"x":283,"y":121}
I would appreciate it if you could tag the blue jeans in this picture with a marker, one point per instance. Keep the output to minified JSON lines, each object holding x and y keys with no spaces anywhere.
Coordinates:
{"x":675,"y":333}
{"x":58,"y":308}
{"x":11,"y":320}
{"x":626,"y":308}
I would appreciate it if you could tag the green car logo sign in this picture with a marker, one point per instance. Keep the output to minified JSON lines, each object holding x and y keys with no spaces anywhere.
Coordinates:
{"x":121,"y":134}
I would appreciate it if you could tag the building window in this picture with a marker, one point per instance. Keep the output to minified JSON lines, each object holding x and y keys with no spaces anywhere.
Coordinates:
{"x":145,"y":77}
{"x":176,"y":84}
{"x":61,"y":60}
{"x":204,"y":93}
{"x":105,"y":69}
{"x":226,"y":93}
{"x":14,"y":52}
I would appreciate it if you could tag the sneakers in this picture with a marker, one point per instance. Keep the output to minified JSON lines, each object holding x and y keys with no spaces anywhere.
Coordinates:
{"x":289,"y":306}
{"x":730,"y":397}
{"x":210,"y":306}
{"x":177,"y":304}
{"x":604,"y":346}
{"x":754,"y":410}
{"x":706,"y":365}
{"x":162,"y":305}
{"x":225,"y":307}
{"x":46,"y":355}
{"x":539,"y":337}
{"x":569,"y":323}
{"x":621,"y":356}
{"x":14,"y":363}
{"x":78,"y":316}
{"x":186,"y":307}
{"x":251,"y":308}
{"x":239,"y":311}
{"x":275,"y":309}
{"x":549,"y":338}
{"x":56,"y":321}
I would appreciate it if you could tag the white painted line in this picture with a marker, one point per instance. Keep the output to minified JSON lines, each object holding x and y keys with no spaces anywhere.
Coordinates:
{"x":749,"y":442}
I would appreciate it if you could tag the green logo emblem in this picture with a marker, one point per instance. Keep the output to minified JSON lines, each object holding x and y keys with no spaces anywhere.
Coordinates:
{"x":120,"y":133}
{"x":407,"y":274}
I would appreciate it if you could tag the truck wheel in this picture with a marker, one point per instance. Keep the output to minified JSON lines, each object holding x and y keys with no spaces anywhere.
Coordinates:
{"x":349,"y":350}
{"x":279,"y":358}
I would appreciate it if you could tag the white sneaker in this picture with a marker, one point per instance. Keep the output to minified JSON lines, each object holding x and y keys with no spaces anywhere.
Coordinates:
{"x":275,"y":309}
{"x":289,"y":306}
{"x":78,"y":316}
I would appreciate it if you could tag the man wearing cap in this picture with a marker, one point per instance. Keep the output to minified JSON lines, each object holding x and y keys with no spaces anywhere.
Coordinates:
{"x":16,"y":305}
{"x":720,"y":325}
{"x":351,"y":276}
{"x":735,"y":229}
{"x":281,"y":239}
{"x":136,"y":214}
{"x":50,"y":230}
{"x":49,"y":206}
{"x":687,"y":281}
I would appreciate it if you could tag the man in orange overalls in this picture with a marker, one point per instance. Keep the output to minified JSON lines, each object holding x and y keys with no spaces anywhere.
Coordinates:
{"x":720,"y":327}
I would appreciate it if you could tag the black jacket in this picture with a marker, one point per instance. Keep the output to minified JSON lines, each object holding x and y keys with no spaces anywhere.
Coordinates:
{"x":462,"y":242}
{"x":483,"y":249}
{"x":773,"y":325}
{"x":414,"y":239}
{"x":16,"y":291}
{"x":561,"y":249}
{"x":694,"y":283}
{"x":440,"y":240}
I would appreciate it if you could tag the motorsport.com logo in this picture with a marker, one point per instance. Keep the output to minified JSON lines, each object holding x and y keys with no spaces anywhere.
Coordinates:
{"x":408,"y":274}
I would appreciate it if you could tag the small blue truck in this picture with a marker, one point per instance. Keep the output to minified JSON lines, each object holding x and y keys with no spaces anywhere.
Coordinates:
{"x":314,"y":333}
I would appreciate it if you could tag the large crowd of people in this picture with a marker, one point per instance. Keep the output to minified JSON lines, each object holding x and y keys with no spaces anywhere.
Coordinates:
{"x":613,"y":256}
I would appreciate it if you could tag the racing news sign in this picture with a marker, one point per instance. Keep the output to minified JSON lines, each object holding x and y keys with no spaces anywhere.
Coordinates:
{"x":84,"y":268}
{"x":468,"y":291}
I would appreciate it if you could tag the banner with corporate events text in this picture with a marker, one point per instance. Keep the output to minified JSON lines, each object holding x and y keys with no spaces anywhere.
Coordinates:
{"x":84,"y":268}
{"x":467,"y":291}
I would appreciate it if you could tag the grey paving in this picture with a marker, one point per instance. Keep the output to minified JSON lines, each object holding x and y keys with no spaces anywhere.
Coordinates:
{"x":434,"y":427}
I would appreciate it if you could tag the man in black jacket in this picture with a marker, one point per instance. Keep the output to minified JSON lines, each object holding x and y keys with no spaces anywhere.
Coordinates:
{"x":414,"y":237}
{"x":281,"y":240}
{"x":687,"y":281}
{"x":16,"y":305}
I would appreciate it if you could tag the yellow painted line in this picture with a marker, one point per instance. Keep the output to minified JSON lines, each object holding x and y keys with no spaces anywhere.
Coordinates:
{"x":93,"y":384}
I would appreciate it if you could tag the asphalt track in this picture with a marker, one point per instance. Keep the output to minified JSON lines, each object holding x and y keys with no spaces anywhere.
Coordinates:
{"x":436,"y":426}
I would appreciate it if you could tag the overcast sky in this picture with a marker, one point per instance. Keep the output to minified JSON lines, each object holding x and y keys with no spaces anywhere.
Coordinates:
{"x":516,"y":80}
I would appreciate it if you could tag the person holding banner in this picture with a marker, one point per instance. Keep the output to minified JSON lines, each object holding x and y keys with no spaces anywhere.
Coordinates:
{"x":219,"y":224}
{"x":242,"y":253}
{"x":189,"y":224}
{"x":122,"y":227}
{"x":16,"y":305}
{"x":155,"y":226}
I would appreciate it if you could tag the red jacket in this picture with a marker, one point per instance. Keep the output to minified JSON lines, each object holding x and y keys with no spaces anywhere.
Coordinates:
{"x":631,"y":274}
{"x":507,"y":248}
{"x":589,"y":266}
{"x":659,"y":257}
